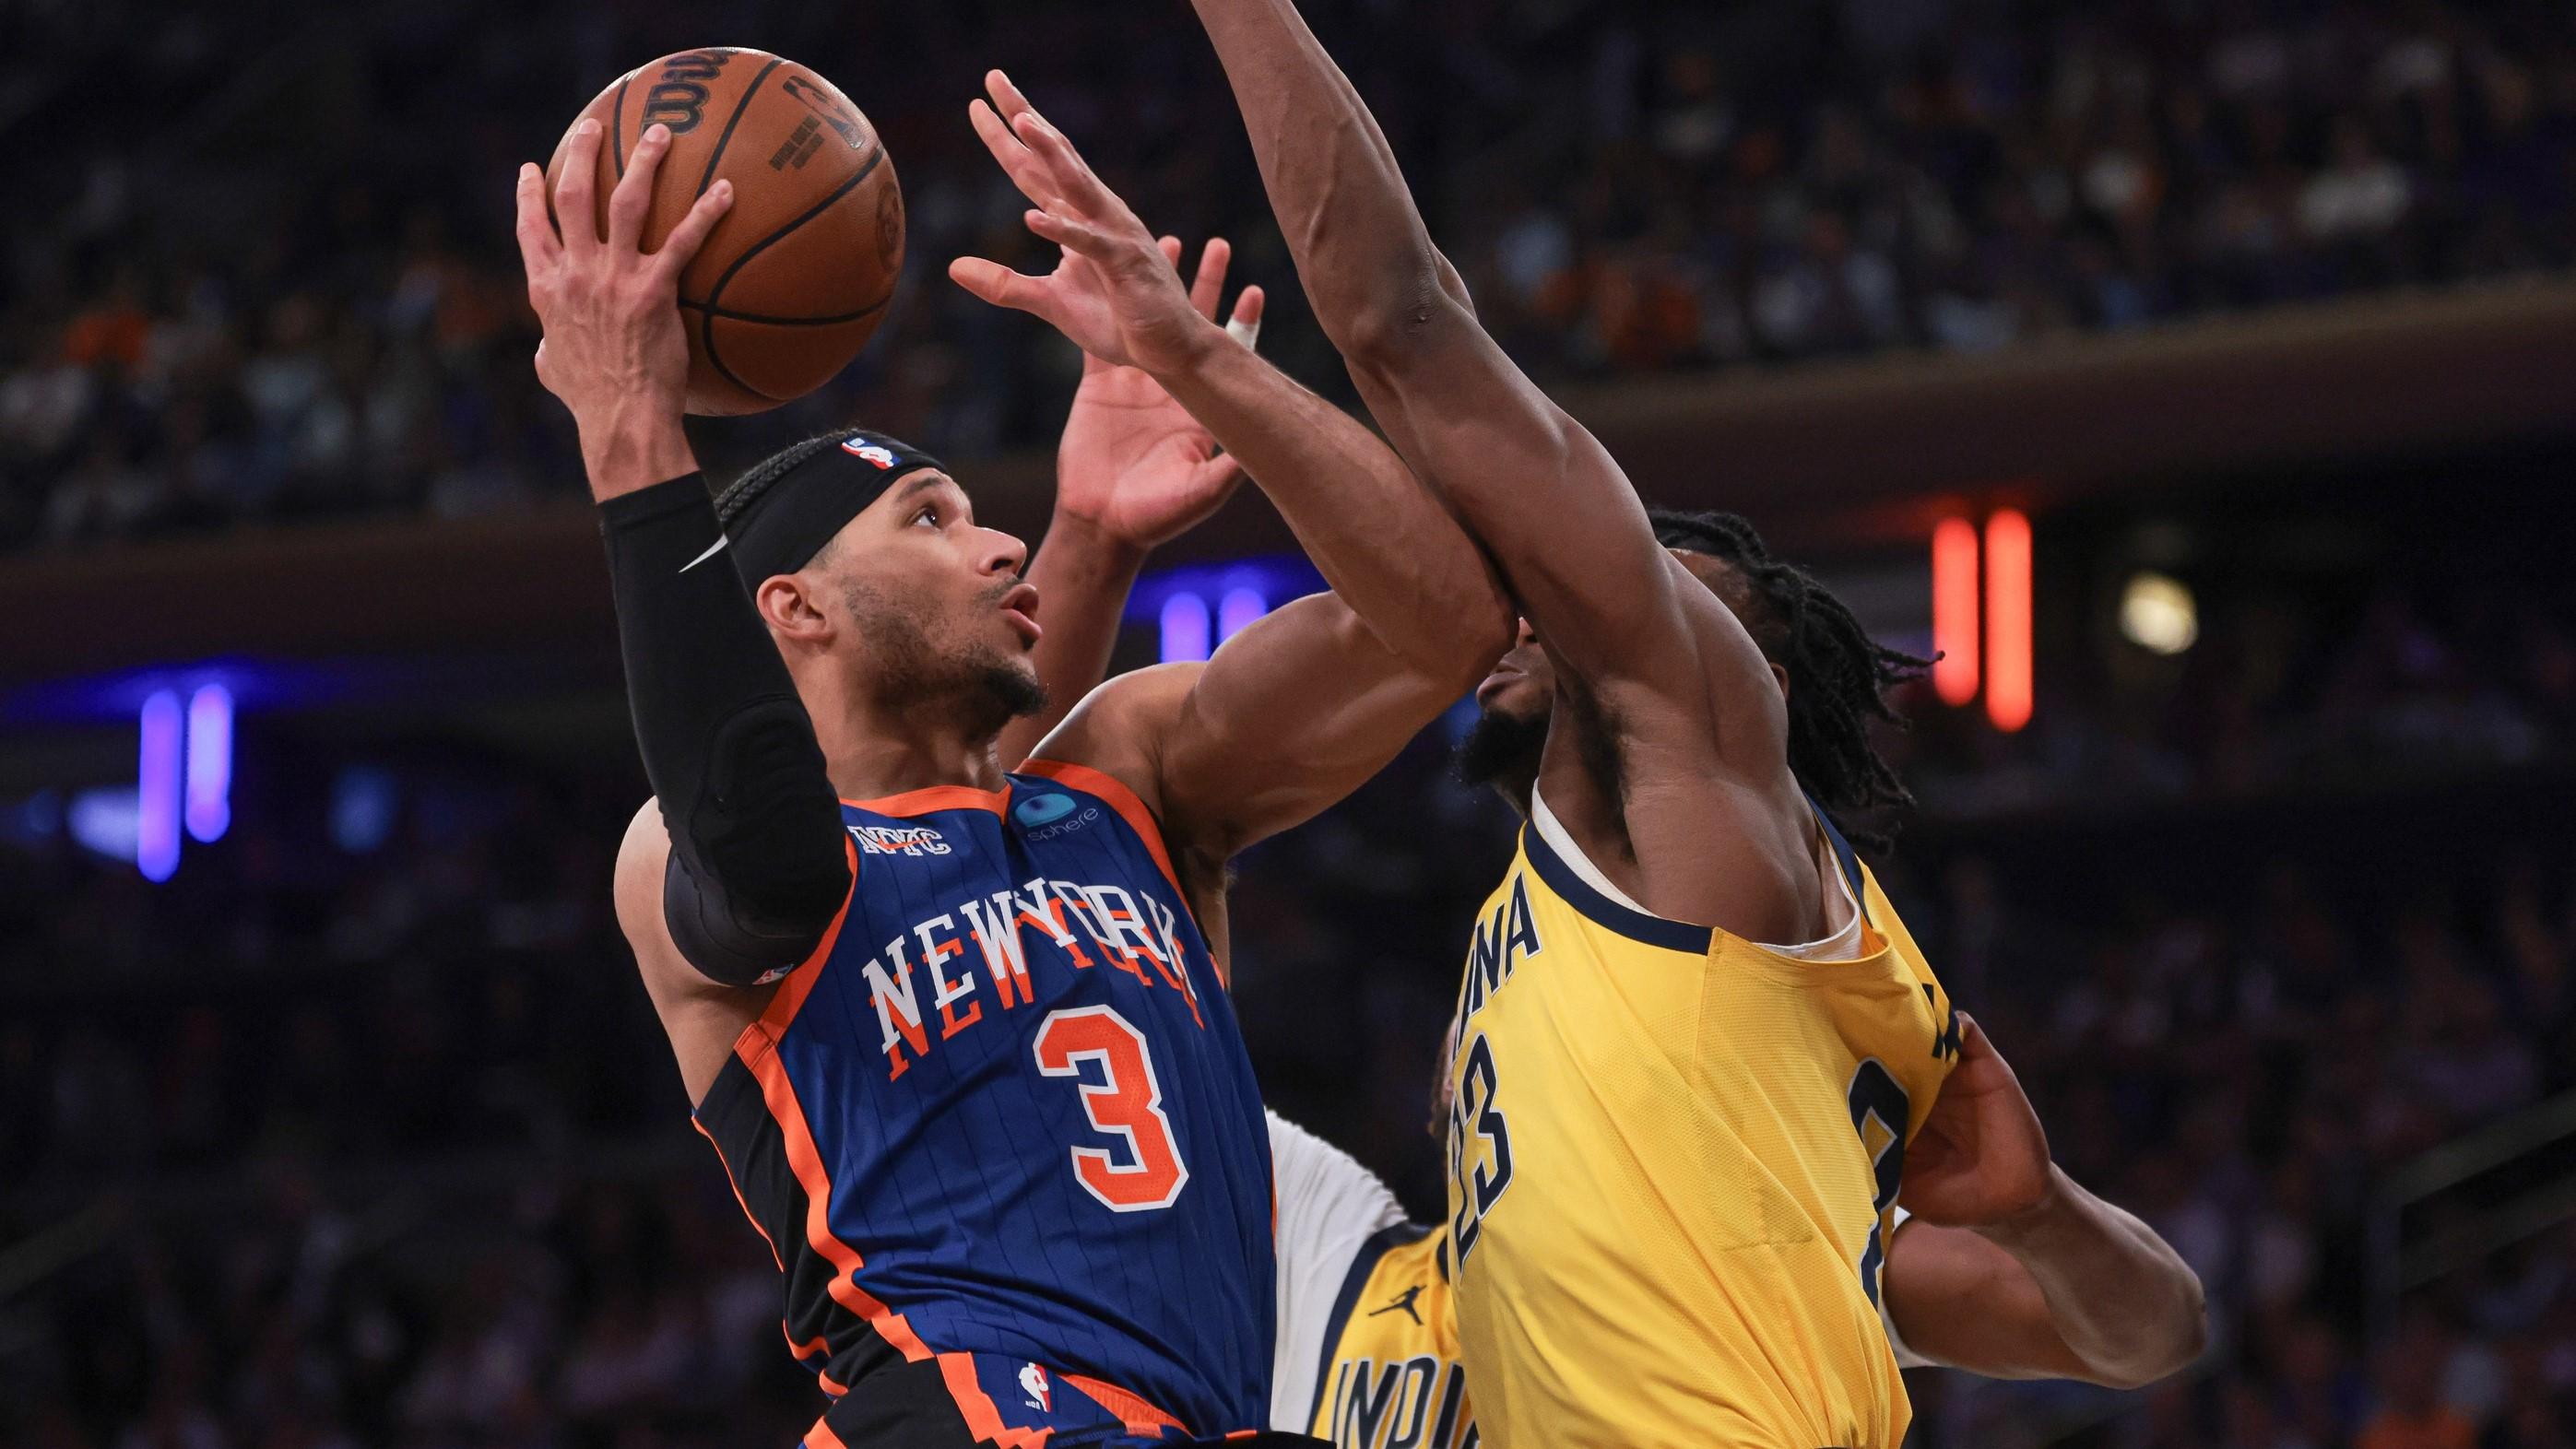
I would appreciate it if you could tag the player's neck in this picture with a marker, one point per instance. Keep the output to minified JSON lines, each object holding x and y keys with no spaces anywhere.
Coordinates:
{"x":873,"y":749}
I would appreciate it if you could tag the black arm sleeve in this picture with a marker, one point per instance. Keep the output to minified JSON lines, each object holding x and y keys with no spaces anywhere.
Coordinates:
{"x":759,"y":863}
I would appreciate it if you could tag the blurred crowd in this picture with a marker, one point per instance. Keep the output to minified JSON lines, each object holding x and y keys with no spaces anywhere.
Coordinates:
{"x":320,"y":1149}
{"x":276,"y":280}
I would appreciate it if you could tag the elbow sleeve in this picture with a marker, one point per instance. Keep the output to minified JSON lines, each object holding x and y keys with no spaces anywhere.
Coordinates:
{"x":759,"y":864}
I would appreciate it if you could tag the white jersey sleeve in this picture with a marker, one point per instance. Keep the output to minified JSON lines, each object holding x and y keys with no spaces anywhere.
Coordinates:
{"x":1906,"y":1357}
{"x":1329,"y":1207}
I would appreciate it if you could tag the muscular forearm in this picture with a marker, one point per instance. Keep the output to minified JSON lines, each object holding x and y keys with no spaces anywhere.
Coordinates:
{"x":2121,"y":1298}
{"x":1082,"y":576}
{"x":1384,"y":541}
{"x":1528,"y":484}
{"x":1368,"y":263}
{"x":629,"y":445}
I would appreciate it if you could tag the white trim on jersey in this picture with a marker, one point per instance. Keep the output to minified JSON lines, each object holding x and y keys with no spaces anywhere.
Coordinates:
{"x":1329,"y":1207}
{"x":1906,"y":1357}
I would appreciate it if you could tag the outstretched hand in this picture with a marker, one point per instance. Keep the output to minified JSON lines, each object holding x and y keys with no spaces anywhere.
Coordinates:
{"x":1133,"y":462}
{"x":614,"y":348}
{"x":1982,"y":1157}
{"x":1117,"y":292}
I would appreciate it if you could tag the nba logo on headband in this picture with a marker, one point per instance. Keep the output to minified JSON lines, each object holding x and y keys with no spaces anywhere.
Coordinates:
{"x":881,"y":456}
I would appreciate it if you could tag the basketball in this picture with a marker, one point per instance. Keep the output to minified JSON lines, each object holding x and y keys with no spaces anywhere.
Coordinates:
{"x":795,"y":278}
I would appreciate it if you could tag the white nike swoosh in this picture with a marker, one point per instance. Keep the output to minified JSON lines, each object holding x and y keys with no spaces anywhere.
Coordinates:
{"x":713,"y":549}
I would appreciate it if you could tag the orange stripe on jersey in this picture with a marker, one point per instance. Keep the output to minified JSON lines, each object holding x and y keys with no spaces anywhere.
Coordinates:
{"x":932,"y":799}
{"x":982,"y":1418}
{"x":1121,"y":799}
{"x":746,"y":1211}
{"x":1139,"y":1417}
{"x":822,"y":1437}
{"x":804,"y":1350}
{"x":806,"y":1161}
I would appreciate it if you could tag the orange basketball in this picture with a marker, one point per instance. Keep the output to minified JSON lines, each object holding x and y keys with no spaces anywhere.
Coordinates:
{"x":796,"y":276}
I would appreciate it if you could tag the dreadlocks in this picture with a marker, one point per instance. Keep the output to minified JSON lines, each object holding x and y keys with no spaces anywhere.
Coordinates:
{"x":1838,"y":675}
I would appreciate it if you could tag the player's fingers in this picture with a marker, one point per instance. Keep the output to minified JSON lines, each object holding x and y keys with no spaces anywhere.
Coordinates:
{"x":575,"y":210}
{"x":1170,"y":247}
{"x":1218,"y":475}
{"x":1207,"y":290}
{"x":1245,"y":325}
{"x":992,"y":282}
{"x":1006,"y":95}
{"x":1072,"y":176}
{"x":1026,"y":171}
{"x":633,"y":195}
{"x":685,"y":239}
{"x":1076,"y":235}
{"x":538,"y":244}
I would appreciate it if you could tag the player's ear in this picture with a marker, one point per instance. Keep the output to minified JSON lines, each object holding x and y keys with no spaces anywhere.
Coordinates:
{"x":1780,"y":677}
{"x":788,"y":605}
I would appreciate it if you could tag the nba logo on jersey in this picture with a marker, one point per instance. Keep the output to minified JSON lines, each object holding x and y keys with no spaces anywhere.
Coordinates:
{"x":1033,"y":1382}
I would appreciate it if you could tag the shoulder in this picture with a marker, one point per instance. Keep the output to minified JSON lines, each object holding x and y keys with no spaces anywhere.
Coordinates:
{"x":1328,"y":1203}
{"x":1119,"y":728}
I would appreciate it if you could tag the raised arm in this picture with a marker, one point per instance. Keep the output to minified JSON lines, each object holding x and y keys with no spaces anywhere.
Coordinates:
{"x":1430,"y":598}
{"x":1133,"y":471}
{"x":1554,"y":510}
{"x":1302,"y":707}
{"x":754,"y":864}
{"x":2011,"y":1269}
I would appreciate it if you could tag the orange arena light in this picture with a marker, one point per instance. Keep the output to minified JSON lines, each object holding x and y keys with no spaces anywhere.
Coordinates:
{"x":1954,"y":611}
{"x":2008,"y":625}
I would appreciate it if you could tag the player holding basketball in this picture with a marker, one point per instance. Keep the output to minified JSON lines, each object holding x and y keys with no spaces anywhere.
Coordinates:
{"x":961,"y":1035}
{"x":1695,"y":1042}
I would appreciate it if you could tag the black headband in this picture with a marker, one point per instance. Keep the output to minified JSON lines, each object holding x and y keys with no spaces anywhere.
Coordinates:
{"x":783,"y":512}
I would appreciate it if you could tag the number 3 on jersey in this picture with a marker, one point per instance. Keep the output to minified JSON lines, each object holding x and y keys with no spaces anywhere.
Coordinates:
{"x":1127,"y":1103}
{"x":1473,"y":1110}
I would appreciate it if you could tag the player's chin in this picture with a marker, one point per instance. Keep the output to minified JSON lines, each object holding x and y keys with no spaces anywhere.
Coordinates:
{"x":1012,"y":679}
{"x":1512,"y":695}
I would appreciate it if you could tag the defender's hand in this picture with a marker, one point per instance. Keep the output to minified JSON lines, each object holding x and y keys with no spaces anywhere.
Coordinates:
{"x":1981,"y":1159}
{"x":1134,"y":463}
{"x":614,"y":350}
{"x":1116,"y":293}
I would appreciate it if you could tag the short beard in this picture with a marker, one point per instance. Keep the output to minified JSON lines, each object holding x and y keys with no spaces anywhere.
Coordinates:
{"x":1501,"y":750}
{"x":988,"y":688}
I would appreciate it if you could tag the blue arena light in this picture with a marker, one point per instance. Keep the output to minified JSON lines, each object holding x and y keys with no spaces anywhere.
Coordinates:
{"x":364,"y":801}
{"x":210,"y":763}
{"x":102,"y":821}
{"x":156,"y":788}
{"x":1236,"y":612}
{"x":1185,"y":627}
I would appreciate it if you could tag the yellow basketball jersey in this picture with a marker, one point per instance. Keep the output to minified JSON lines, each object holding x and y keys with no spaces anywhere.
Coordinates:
{"x":1391,"y":1370}
{"x":1674,"y":1157}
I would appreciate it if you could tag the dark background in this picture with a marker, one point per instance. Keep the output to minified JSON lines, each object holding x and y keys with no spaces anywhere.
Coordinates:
{"x":358,"y":1129}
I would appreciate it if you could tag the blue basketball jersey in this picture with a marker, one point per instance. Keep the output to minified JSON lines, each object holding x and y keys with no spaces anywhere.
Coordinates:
{"x":1004,"y":1111}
